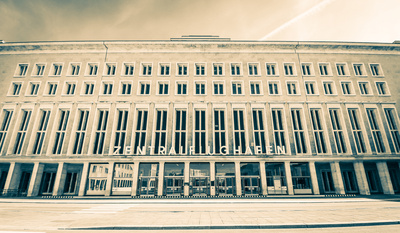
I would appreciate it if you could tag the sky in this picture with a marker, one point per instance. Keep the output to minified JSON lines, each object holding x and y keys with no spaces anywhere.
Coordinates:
{"x":270,"y":20}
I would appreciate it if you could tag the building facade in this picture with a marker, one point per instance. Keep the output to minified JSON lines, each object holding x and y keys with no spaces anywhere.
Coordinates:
{"x":199,"y":116}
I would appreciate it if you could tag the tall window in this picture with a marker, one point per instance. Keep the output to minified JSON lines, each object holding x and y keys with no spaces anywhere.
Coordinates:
{"x":338,"y":131}
{"x":255,"y":88}
{"x":200,"y":69}
{"x":357,"y":131}
{"x":278,"y":127}
{"x":107,"y":88}
{"x":33,"y":88}
{"x":110,"y":69}
{"x":57,"y":68}
{"x":358,"y":69}
{"x":382,"y":88}
{"x":146,"y":69}
{"x":120,"y":132}
{"x":292,"y":88}
{"x":181,"y":88}
{"x":39,"y":69}
{"x":364,"y":88}
{"x":218,"y":68}
{"x":100,"y":133}
{"x":347,"y":88}
{"x":393,"y":128}
{"x":329,"y":88}
{"x":180,"y":132}
{"x":218,"y":88}
{"x":306,"y":69}
{"x":341,"y":69}
{"x":253,"y":69}
{"x":51,"y":88}
{"x":140,"y":133}
{"x":318,"y":130}
{"x":239,"y":131}
{"x":299,"y":132}
{"x":88,"y":88}
{"x":80,"y":133}
{"x":126,"y":88}
{"x":21,"y":133}
{"x":70,"y":88}
{"x":161,"y":130}
{"x":273,"y":88}
{"x":75,"y":68}
{"x":200,"y":88}
{"x":182,"y":69}
{"x":41,"y":131}
{"x":15,"y":88}
{"x":323,"y":69}
{"x":144,"y":88}
{"x":92,"y":69}
{"x":375,"y":69}
{"x":164,"y":69}
{"x":7,"y":115}
{"x":258,"y":129}
{"x":60,"y":131}
{"x":237,"y":88}
{"x":219,"y":130}
{"x":271,"y":69}
{"x":163,"y":88}
{"x":376,"y":132}
{"x":289,"y":69}
{"x":235,"y":69}
{"x":22,"y":68}
{"x":310,"y":87}
{"x":129,"y":69}
{"x":200,"y":132}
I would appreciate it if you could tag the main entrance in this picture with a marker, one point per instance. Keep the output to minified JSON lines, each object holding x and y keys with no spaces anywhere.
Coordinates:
{"x":199,"y":181}
{"x":148,"y":179}
{"x":276,"y":179}
{"x":225,"y":179}
{"x":173,"y":179}
{"x":250,"y":173}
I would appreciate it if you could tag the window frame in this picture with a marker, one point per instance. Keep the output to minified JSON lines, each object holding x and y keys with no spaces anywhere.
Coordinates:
{"x":222,"y":69}
{"x":139,"y":88}
{"x":65,"y":88}
{"x":52,"y":69}
{"x":159,"y":82}
{"x":35,"y":69}
{"x":200,"y":131}
{"x":311,"y":69}
{"x":259,"y":82}
{"x":279,"y":88}
{"x":241,"y":82}
{"x":46,"y":88}
{"x":177,"y":82}
{"x":28,"y":89}
{"x":106,"y":68}
{"x":294,"y":71}
{"x":363,"y":70}
{"x":345,"y":69}
{"x":304,"y":129}
{"x":121,"y":83}
{"x":103,"y":83}
{"x":202,"y":82}
{"x":18,"y":70}
{"x":223,"y":87}
{"x":146,"y":64}
{"x":351,"y":87}
{"x":181,"y":131}
{"x":70,"y":69}
{"x":84,"y":83}
{"x":236,"y":64}
{"x":124,"y":66}
{"x":328,"y":69}
{"x":256,"y":64}
{"x":200,"y":64}
{"x":297,"y":88}
{"x":369,"y":88}
{"x":386,"y":88}
{"x":166,"y":64}
{"x":380,"y":70}
{"x":11,"y":88}
{"x":276,"y":70}
{"x":88,"y":67}
{"x":334,"y":90}
{"x":315,"y":85}
{"x":183,"y":64}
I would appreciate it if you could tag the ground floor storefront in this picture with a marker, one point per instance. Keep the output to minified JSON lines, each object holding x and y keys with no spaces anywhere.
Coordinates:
{"x":198,"y":177}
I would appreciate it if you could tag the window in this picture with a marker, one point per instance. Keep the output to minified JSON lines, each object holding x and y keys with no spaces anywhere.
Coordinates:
{"x":329,"y":88}
{"x":218,"y":69}
{"x":239,"y":131}
{"x":120,"y":131}
{"x":182,"y":69}
{"x":382,"y":88}
{"x":338,"y":131}
{"x":92,"y":69}
{"x":364,"y":88}
{"x":292,"y":88}
{"x":219,"y":130}
{"x":253,"y":69}
{"x":278,"y":127}
{"x":39,"y":69}
{"x":376,"y":132}
{"x":21,"y":133}
{"x":100,"y":132}
{"x":289,"y":69}
{"x":200,"y":87}
{"x":70,"y":88}
{"x":359,"y":69}
{"x":357,"y":131}
{"x":5,"y":123}
{"x":60,"y":131}
{"x":129,"y":69}
{"x":181,"y":88}
{"x":140,"y":132}
{"x":70,"y":182}
{"x":271,"y":69}
{"x":200,"y":133}
{"x":83,"y":116}
{"x":15,"y":88}
{"x":146,"y":69}
{"x":235,"y":69}
{"x":144,"y":88}
{"x":107,"y":88}
{"x":200,"y":69}
{"x":318,"y":130}
{"x":218,"y":88}
{"x":126,"y":88}
{"x":88,"y":88}
{"x":57,"y":68}
{"x":273,"y":87}
{"x":306,"y":69}
{"x":74,"y":69}
{"x":164,"y":69}
{"x":110,"y":69}
{"x":341,"y":69}
{"x":311,"y":87}
{"x":41,"y":131}
{"x":324,"y":69}
{"x":258,"y":129}
{"x":299,"y":132}
{"x":21,"y":70}
{"x":376,"y":70}
{"x":393,"y":128}
{"x":163,"y":88}
{"x":51,"y":88}
{"x":33,"y":89}
{"x":347,"y":88}
{"x":180,"y":132}
{"x":255,"y":87}
{"x":160,"y":134}
{"x":237,"y":88}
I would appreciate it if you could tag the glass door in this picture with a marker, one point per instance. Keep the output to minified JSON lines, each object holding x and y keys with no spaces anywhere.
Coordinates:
{"x":225,"y":185}
{"x":173,"y":185}
{"x":327,"y":181}
{"x":148,"y":179}
{"x":251,"y":185}
{"x":276,"y":179}
{"x":349,"y":181}
{"x":199,"y":186}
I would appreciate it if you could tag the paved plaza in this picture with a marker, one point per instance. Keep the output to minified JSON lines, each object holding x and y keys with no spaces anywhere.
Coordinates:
{"x":350,"y":214}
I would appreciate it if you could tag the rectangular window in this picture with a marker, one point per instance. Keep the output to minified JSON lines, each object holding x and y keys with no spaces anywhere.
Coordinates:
{"x":375,"y":70}
{"x":57,"y":68}
{"x":200,"y":88}
{"x":7,"y":116}
{"x":180,"y":132}
{"x":273,"y":88}
{"x":80,"y":134}
{"x":382,"y":88}
{"x":74,"y":69}
{"x":129,"y":69}
{"x":235,"y":69}
{"x":255,"y":88}
{"x":88,"y":88}
{"x":259,"y":130}
{"x":311,"y":87}
{"x":70,"y":88}
{"x":70,"y":182}
{"x":200,"y":69}
{"x":341,"y":69}
{"x":164,"y":69}
{"x":292,"y":88}
{"x":146,"y":69}
{"x":160,"y":139}
{"x":126,"y":88}
{"x":357,"y":131}
{"x":181,"y":88}
{"x":347,"y":88}
{"x":329,"y":88}
{"x":92,"y":69}
{"x":324,"y":69}
{"x":338,"y":131}
{"x":358,"y":69}
{"x":218,"y":68}
{"x":51,"y":88}
{"x":163,"y":88}
{"x":144,"y":88}
{"x":376,"y":132}
{"x":364,"y":88}
{"x":306,"y":69}
{"x":41,"y":132}
{"x":110,"y":69}
{"x":318,"y":130}
{"x":22,"y":68}
{"x":61,"y":131}
{"x":237,"y":88}
{"x":239,"y":131}
{"x":15,"y":89}
{"x":253,"y":69}
{"x":182,"y":69}
{"x":21,"y":133}
{"x":33,"y":88}
{"x":218,"y":88}
{"x":140,"y":133}
{"x":299,"y":132}
{"x":120,"y":132}
{"x":393,"y":128}
{"x":219,"y":130}
{"x":107,"y":88}
{"x":289,"y":69}
{"x":100,"y":133}
{"x":271,"y":69}
{"x":278,"y":127}
{"x":200,"y":144}
{"x":39,"y":69}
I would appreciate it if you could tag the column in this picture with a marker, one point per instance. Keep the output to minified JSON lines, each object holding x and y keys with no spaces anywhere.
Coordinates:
{"x":109,"y":178}
{"x":135,"y":179}
{"x":13,"y":176}
{"x":60,"y":179}
{"x":361,"y":178}
{"x":314,"y":179}
{"x":384,"y":176}
{"x":263,"y":178}
{"x":186,"y":179}
{"x":289,"y":181}
{"x":160,"y":190}
{"x":238,"y":179}
{"x":212,"y":178}
{"x":36,"y":178}
{"x":84,"y":177}
{"x":337,"y":178}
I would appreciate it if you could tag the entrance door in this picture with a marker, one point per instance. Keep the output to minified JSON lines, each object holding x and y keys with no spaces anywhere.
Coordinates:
{"x":394,"y":177}
{"x":147,"y":185}
{"x":251,"y":185}
{"x":173,"y":186}
{"x":199,"y":186}
{"x":373,"y":181}
{"x":327,"y":181}
{"x":47,"y":186}
{"x":24,"y":182}
{"x":3,"y":178}
{"x":349,"y":181}
{"x":225,"y":186}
